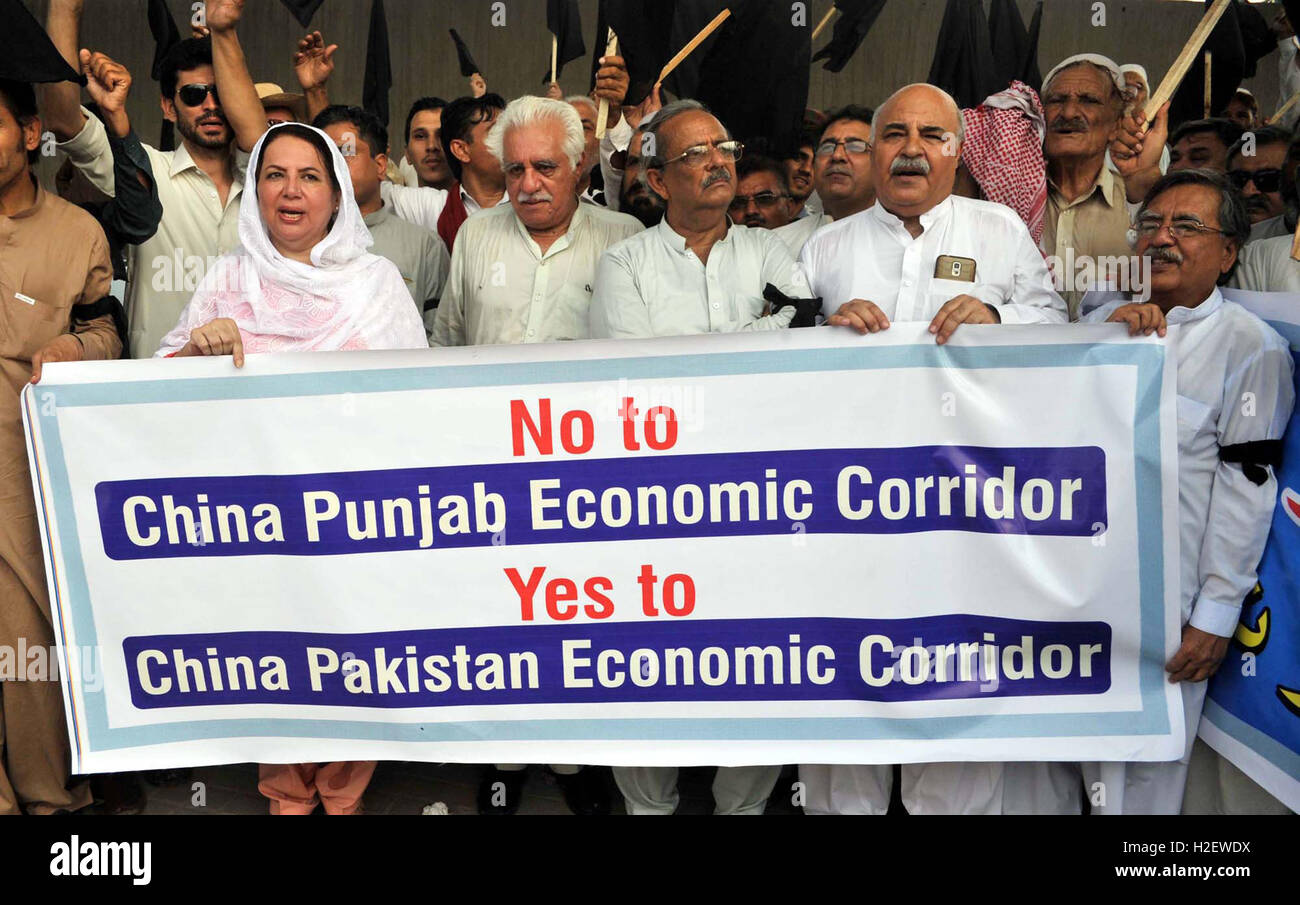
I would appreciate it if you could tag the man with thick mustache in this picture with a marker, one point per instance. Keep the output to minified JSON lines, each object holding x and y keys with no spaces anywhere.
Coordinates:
{"x":922,"y":254}
{"x":1257,"y":167}
{"x":1087,"y":209}
{"x":1235,"y":395}
{"x":200,"y":184}
{"x":697,"y":271}
{"x":526,"y":274}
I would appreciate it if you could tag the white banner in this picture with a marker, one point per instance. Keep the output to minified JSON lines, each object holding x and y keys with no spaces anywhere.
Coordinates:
{"x":794,"y":547}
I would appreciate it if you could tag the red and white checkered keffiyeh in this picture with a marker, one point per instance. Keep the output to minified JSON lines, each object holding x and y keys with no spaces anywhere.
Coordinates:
{"x":1004,"y":152}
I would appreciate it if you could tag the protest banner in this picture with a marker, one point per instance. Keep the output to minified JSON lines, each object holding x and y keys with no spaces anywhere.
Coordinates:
{"x":778,"y":547}
{"x":1252,"y":707}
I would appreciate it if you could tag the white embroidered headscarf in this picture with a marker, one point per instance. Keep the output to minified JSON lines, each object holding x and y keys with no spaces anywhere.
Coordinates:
{"x":346,"y":298}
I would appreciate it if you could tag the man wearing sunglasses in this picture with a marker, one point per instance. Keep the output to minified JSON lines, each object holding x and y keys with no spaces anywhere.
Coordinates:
{"x":1255,"y":168}
{"x":762,"y":194}
{"x":200,"y":184}
{"x":1235,"y":396}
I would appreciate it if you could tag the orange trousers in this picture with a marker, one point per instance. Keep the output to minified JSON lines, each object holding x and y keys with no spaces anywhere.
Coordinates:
{"x":296,"y":788}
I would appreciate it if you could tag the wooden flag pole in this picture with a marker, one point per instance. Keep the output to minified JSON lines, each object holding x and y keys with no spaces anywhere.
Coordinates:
{"x":1290,"y":102}
{"x":1295,"y":246}
{"x":602,"y":110}
{"x":694,"y":43}
{"x":826,"y":20}
{"x":1174,"y":77}
{"x":555,"y":55}
{"x":1209,"y":86}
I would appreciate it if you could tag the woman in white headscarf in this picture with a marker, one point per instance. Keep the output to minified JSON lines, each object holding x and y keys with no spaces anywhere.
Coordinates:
{"x":301,"y":278}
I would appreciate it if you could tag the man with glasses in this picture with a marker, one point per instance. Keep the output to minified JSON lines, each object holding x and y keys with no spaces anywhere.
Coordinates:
{"x":922,"y":254}
{"x":1235,"y":396}
{"x":200,"y":185}
{"x":762,"y":195}
{"x":841,"y":174}
{"x":696,"y":272}
{"x":1256,"y":168}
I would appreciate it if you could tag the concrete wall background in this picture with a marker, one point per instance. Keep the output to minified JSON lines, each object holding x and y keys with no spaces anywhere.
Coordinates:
{"x":898,"y":50}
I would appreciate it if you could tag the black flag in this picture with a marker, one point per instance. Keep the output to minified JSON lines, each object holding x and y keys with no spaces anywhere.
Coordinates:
{"x":467,"y":65}
{"x":303,"y":10}
{"x":1030,"y":74}
{"x":165,"y":36}
{"x":644,"y":30}
{"x":1013,"y":54}
{"x":1227,"y":66}
{"x":1256,"y":36}
{"x":26,"y":52}
{"x":855,"y":19}
{"x":757,"y":53}
{"x":963,"y":60}
{"x":379,"y":68}
{"x":564,"y":21}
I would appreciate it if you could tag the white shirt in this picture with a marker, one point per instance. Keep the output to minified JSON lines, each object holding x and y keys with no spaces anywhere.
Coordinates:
{"x":1265,"y":265}
{"x":196,"y":229}
{"x":615,"y":140}
{"x":1234,"y":386}
{"x":653,"y":285}
{"x":1270,"y":228}
{"x":796,"y":234}
{"x":503,"y":289}
{"x":871,"y":256}
{"x":418,"y":204}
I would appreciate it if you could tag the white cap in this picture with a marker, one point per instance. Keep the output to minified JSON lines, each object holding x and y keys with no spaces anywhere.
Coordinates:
{"x":1096,"y":59}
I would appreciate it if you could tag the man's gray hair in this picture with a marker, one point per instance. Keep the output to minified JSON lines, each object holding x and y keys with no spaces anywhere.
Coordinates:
{"x":531,"y":111}
{"x":1234,"y":219}
{"x":961,"y":124}
{"x":582,"y":99}
{"x":653,"y":130}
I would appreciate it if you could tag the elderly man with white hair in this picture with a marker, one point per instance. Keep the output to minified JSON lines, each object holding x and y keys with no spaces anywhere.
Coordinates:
{"x":524,"y":273}
{"x":921,"y":253}
{"x":1088,"y":215}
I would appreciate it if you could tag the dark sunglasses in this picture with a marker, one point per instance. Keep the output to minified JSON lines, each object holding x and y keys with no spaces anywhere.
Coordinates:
{"x":195,"y":95}
{"x":1266,"y":181}
{"x":762,"y":199}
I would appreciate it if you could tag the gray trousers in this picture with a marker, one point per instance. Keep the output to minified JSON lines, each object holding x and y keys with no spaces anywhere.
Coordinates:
{"x":736,"y":790}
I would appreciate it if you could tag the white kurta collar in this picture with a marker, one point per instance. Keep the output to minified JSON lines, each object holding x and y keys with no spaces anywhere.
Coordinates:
{"x":940,"y":211}
{"x":1181,"y":315}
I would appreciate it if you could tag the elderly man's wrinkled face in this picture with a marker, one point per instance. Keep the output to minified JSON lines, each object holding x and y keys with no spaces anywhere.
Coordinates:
{"x":1180,"y":232}
{"x":1082,"y":109}
{"x":1259,"y":178}
{"x":1199,"y":151}
{"x":915,"y":151}
{"x":540,"y":180}
{"x":698,"y":174}
{"x":842,"y":171}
